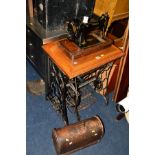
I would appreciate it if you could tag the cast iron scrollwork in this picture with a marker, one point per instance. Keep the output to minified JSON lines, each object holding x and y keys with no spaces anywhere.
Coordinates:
{"x":101,"y":82}
{"x":65,"y":92}
{"x":57,"y":91}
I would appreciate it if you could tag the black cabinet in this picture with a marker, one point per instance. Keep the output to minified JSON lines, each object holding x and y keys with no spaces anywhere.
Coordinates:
{"x":52,"y":14}
{"x":35,"y":54}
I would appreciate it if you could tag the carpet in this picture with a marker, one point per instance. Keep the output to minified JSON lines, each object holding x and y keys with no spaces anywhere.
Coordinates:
{"x":41,"y":119}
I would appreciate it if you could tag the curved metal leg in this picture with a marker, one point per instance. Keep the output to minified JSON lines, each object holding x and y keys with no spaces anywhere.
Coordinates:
{"x":57,"y":92}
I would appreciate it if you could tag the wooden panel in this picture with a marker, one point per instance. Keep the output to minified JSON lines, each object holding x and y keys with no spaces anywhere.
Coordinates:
{"x":122,"y":90}
{"x":121,"y":10}
{"x":112,"y":77}
{"x":114,"y":72}
{"x":117,"y":9}
{"x":83,"y":64}
{"x":122,"y":83}
{"x":118,"y":42}
{"x":102,"y":6}
{"x":121,"y":7}
{"x":30,"y":8}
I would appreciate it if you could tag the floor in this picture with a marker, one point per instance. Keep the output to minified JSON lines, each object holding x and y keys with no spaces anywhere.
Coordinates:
{"x":41,"y":119}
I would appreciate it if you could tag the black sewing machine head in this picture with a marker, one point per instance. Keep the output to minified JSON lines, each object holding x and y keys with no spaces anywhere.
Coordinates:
{"x":87,"y":31}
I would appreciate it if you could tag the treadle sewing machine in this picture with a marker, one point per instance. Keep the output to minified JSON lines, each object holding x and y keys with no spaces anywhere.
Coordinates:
{"x":86,"y":36}
{"x":76,"y":52}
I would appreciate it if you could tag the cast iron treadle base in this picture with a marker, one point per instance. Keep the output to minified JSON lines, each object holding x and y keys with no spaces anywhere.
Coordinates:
{"x":65,"y":93}
{"x":87,"y":99}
